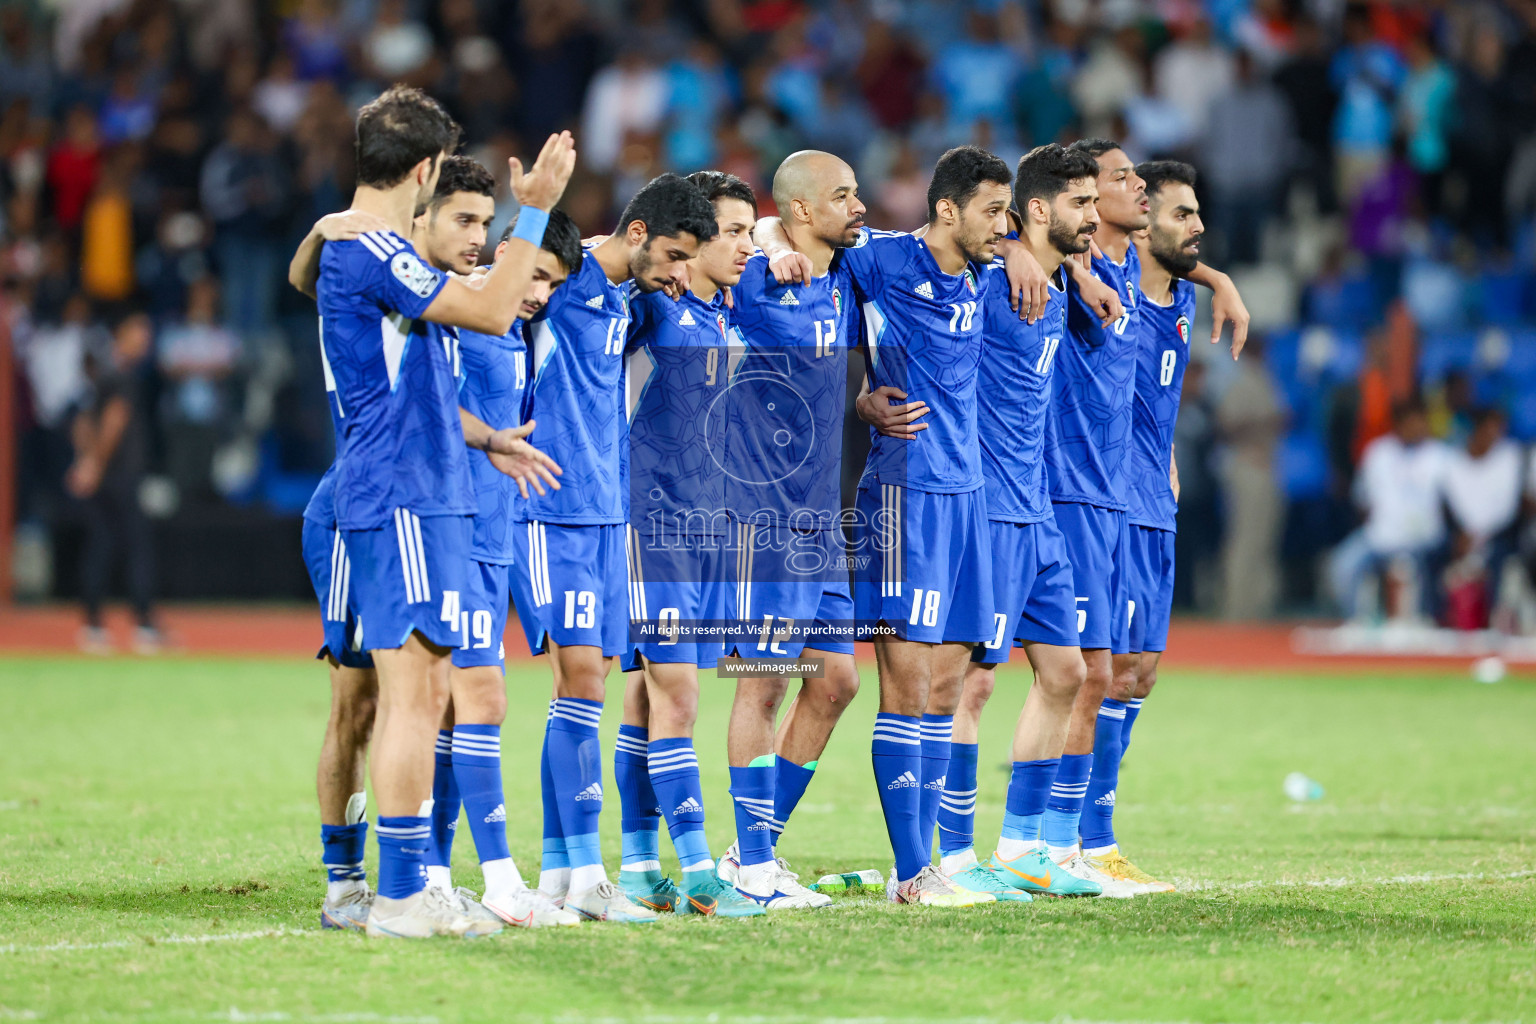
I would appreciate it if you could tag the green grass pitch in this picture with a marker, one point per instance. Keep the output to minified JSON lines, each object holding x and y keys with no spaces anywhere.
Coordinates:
{"x":159,"y":861}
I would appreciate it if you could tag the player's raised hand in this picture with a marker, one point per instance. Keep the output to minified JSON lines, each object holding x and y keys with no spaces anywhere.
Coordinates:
{"x":544,"y":183}
{"x":1101,"y":299}
{"x":1227,"y":307}
{"x":1028,"y":284}
{"x":899,"y":421}
{"x":790,"y":267}
{"x":347,"y":225}
{"x":521,"y":461}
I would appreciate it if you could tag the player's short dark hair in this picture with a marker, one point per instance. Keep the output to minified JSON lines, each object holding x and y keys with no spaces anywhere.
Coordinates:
{"x":461,"y":174}
{"x":1413,"y":405}
{"x":1157,"y":173}
{"x":721,"y":185}
{"x":669,"y":206}
{"x":1045,"y":171}
{"x":561,"y":237}
{"x":1094,"y":147}
{"x":397,"y":131}
{"x":959,"y":174}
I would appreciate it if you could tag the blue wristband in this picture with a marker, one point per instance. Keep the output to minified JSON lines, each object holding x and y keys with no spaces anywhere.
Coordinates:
{"x":530,"y":225}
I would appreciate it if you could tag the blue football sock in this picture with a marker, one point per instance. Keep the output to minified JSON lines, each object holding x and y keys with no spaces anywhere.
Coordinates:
{"x":957,"y":808}
{"x":576,"y":768}
{"x":342,"y":851}
{"x":445,"y":803}
{"x":896,"y":752}
{"x":1132,"y":710}
{"x":936,"y":732}
{"x":1029,"y":787}
{"x":477,"y":770}
{"x":553,"y":856}
{"x":1098,"y":826}
{"x":789,"y":783}
{"x":675,"y":778}
{"x":752,"y":792}
{"x":403,"y":843}
{"x":639,"y":815}
{"x":1065,"y":804}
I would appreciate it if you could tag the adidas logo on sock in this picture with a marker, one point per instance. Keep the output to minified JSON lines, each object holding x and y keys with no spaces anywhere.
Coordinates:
{"x":789,"y":299}
{"x":592,"y":792}
{"x":596,"y":302}
{"x":761,"y":826}
{"x":687,"y":320}
{"x":906,"y":780}
{"x":1107,"y":800}
{"x":937,"y":783}
{"x":688,"y":807}
{"x":499,"y":814}
{"x":925,"y":290}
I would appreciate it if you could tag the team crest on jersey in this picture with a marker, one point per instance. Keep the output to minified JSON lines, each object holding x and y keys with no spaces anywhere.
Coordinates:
{"x":412,"y":273}
{"x":720,"y":319}
{"x":1130,"y":292}
{"x":1182,"y":326}
{"x":970,"y":281}
{"x":837,"y":302}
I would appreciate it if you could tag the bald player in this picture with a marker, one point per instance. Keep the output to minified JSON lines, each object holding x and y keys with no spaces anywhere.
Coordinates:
{"x":791,"y":594}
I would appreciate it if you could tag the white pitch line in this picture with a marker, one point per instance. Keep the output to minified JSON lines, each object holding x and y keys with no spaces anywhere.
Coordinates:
{"x":1343,"y":883}
{"x":163,"y":940}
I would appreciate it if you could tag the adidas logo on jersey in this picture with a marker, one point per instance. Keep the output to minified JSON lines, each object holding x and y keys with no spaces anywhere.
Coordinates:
{"x":689,"y":806}
{"x":906,"y":780}
{"x":925,"y":290}
{"x":1107,"y":800}
{"x":937,"y":783}
{"x":596,"y":302}
{"x":592,"y":792}
{"x":687,"y":319}
{"x":499,"y":814}
{"x":789,"y":299}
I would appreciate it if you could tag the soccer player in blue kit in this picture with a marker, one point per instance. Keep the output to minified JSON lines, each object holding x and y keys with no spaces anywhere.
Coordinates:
{"x":1168,"y":252}
{"x":402,"y":486}
{"x":1087,"y":445}
{"x":925,"y":593}
{"x":575,"y":558}
{"x":1055,"y":195}
{"x":449,"y":233}
{"x":791,"y":591}
{"x":679,"y":353}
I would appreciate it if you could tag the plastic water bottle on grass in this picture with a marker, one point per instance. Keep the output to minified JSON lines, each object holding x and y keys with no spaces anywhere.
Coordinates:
{"x":1302,"y":789}
{"x":850,"y":881}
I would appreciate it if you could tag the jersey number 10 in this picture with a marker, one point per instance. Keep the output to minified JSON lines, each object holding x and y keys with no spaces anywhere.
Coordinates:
{"x":965,"y":312}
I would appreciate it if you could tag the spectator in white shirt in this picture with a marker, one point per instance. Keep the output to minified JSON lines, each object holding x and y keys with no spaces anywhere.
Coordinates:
{"x":1482,"y":492}
{"x":1400,"y":489}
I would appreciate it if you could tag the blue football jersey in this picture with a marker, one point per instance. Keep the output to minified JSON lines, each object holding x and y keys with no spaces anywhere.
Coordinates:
{"x":1162,"y":355}
{"x":495,"y":375}
{"x":787,"y":397}
{"x":577,"y":397}
{"x":393,"y":382}
{"x":1014,"y":396}
{"x":322,"y":504}
{"x":922,"y":334}
{"x":678,"y":356}
{"x":1088,"y":432}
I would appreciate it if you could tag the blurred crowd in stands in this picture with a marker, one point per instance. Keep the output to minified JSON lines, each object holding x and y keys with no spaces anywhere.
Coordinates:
{"x":1368,"y":172}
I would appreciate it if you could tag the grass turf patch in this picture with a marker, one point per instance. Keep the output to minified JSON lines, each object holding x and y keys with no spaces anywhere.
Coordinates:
{"x":159,"y":859}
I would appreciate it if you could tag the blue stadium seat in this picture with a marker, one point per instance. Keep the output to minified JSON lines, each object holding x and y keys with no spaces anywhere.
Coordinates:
{"x":1303,"y":465}
{"x":1443,"y":351}
{"x":1501,"y":297}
